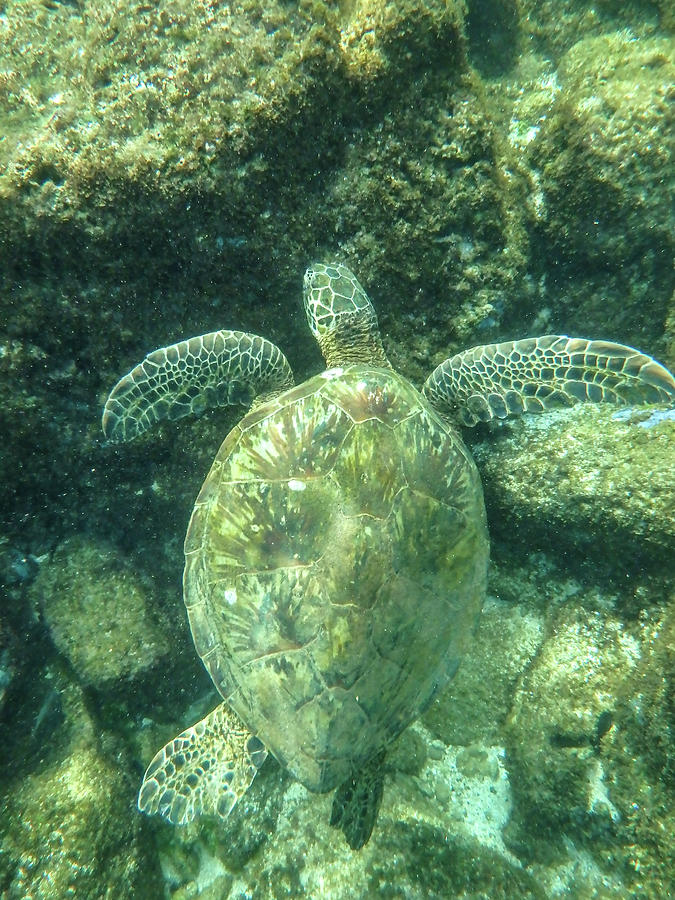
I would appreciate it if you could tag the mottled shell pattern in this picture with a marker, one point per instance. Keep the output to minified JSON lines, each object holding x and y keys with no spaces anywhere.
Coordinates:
{"x":335,"y":567}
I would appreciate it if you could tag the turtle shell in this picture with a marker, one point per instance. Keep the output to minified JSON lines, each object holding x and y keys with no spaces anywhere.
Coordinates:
{"x":335,"y":567}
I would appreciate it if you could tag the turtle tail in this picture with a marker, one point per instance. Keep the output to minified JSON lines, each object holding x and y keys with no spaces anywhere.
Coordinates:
{"x":357,"y":802}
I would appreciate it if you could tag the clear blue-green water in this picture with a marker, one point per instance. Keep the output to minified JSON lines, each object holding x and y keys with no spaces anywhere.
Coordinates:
{"x":490,"y":173}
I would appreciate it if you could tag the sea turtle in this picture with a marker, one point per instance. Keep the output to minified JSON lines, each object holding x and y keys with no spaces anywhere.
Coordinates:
{"x":336,"y":558}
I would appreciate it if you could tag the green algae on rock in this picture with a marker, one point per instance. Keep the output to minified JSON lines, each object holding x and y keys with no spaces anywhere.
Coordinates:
{"x":590,"y":135}
{"x":553,"y":26}
{"x":475,"y":705}
{"x":66,"y":829}
{"x":552,"y":760}
{"x":602,"y":151}
{"x":584,"y":481}
{"x":100,"y":614}
{"x":641,"y":757}
{"x":613,"y":792}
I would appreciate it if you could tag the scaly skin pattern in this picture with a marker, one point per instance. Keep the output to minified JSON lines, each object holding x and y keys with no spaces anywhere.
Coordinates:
{"x":335,"y":567}
{"x":220,"y":368}
{"x":547,"y":372}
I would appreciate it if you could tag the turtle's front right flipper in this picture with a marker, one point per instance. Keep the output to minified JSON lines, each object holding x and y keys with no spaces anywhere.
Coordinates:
{"x":205,"y":769}
{"x":536,"y":374}
{"x":217,"y":369}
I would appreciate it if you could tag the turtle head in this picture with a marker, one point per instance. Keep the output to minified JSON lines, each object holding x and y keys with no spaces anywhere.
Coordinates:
{"x":341,"y":317}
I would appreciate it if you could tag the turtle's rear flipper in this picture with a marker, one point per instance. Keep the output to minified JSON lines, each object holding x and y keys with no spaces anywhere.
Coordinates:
{"x":357,"y":801}
{"x":536,"y":374}
{"x":205,"y":769}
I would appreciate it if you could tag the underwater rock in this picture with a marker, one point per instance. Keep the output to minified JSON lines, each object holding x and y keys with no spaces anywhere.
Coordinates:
{"x":161,"y":108}
{"x":423,"y":201}
{"x":438,"y":836}
{"x":556,"y":772}
{"x":641,"y":755}
{"x":585,"y":483}
{"x":9,"y":659}
{"x":68,"y":826}
{"x":591,"y":139}
{"x":590,"y":754}
{"x":475,"y":704}
{"x":384,"y":39}
{"x":650,"y":694}
{"x":16,"y":569}
{"x":602,"y":151}
{"x":553,"y":26}
{"x":99,"y":613}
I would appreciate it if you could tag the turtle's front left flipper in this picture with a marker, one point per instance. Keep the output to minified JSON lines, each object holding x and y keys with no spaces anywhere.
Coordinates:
{"x":357,"y":802}
{"x":536,"y":374}
{"x":205,"y":769}
{"x":220,"y":368}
